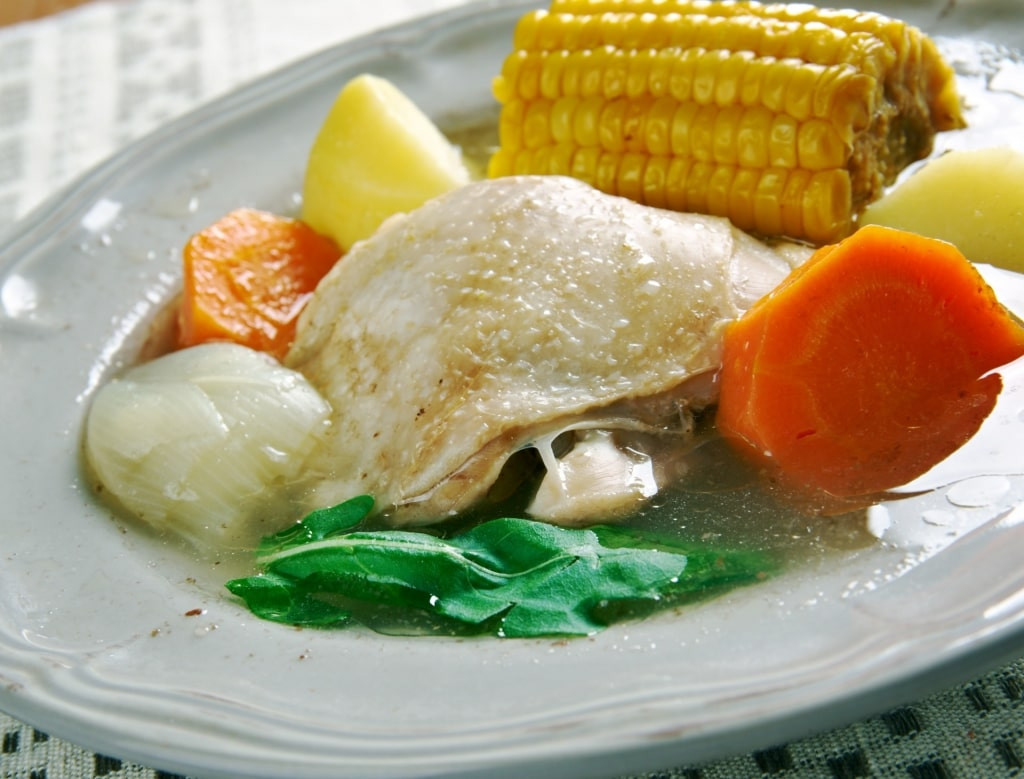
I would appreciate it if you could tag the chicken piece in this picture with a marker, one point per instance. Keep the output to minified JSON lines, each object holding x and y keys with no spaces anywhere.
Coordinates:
{"x":592,"y":482}
{"x":502,"y":315}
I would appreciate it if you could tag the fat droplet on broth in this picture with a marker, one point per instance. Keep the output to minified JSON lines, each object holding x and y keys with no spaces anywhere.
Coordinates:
{"x":878,"y":520}
{"x":978,"y":492}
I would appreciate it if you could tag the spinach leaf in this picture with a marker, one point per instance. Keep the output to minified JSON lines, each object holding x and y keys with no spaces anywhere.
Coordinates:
{"x":512,"y":577}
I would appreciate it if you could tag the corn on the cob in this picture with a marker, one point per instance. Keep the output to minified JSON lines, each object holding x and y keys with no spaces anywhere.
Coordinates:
{"x":787,"y":119}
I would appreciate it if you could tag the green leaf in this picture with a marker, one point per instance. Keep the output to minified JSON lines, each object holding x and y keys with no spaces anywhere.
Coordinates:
{"x":319,"y":524}
{"x":277,"y":598}
{"x":512,"y":577}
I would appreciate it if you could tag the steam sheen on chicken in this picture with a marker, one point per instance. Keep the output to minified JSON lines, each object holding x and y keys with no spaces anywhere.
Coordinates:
{"x":523,"y":312}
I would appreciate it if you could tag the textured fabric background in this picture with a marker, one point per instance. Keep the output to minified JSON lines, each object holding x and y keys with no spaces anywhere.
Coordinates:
{"x":75,"y":87}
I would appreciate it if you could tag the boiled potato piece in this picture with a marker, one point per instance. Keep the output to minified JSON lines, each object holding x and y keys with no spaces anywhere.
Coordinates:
{"x":375,"y":155}
{"x":973,"y":199}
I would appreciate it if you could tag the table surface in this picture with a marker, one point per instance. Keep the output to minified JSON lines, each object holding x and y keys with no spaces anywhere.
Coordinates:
{"x":131,"y":65}
{"x":13,"y":11}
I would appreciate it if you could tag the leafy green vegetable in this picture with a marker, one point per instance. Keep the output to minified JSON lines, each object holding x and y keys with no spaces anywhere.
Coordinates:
{"x":513,"y":577}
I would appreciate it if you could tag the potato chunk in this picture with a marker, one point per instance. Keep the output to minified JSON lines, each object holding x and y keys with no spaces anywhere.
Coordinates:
{"x":375,"y":155}
{"x":973,"y":199}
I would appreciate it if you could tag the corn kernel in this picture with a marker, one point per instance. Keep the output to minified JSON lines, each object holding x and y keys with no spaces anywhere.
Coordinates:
{"x":682,"y":121}
{"x":610,"y":135}
{"x":563,"y":112}
{"x":656,"y":181}
{"x":658,"y":128}
{"x":792,"y":201}
{"x":782,"y":142}
{"x":819,"y":146}
{"x":584,"y":164}
{"x":634,"y":122}
{"x":702,"y":133}
{"x":586,"y":120}
{"x":698,"y":183}
{"x":676,"y":182}
{"x":826,"y":205}
{"x":537,"y":124}
{"x":616,"y":72}
{"x":630,"y":180}
{"x":719,"y":189}
{"x":607,"y":172}
{"x":752,"y":135}
{"x":724,"y":142}
{"x":551,"y":70}
{"x":768,"y":202}
{"x":741,"y":198}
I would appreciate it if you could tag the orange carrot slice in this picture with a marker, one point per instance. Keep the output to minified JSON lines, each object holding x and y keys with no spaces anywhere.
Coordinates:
{"x":247,"y":278}
{"x":868,"y":365}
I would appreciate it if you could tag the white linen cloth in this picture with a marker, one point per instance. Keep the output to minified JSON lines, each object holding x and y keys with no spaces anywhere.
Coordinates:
{"x":77,"y":86}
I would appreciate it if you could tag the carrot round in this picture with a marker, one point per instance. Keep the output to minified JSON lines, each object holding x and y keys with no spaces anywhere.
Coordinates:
{"x":247,"y":278}
{"x":868,"y":365}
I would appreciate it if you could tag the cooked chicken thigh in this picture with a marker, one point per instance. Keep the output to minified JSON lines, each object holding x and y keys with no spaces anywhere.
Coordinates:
{"x":524,"y":312}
